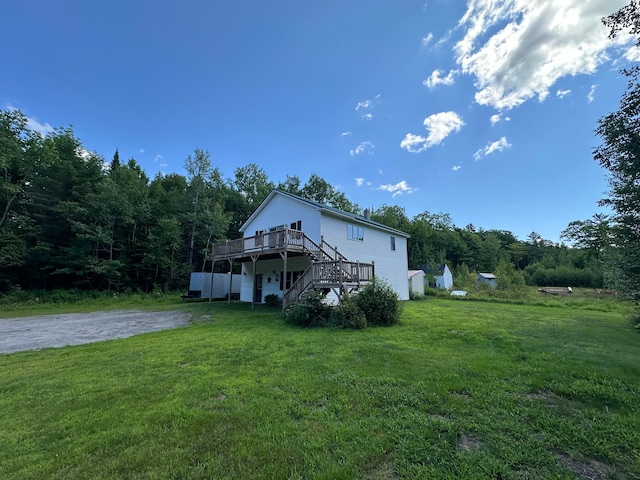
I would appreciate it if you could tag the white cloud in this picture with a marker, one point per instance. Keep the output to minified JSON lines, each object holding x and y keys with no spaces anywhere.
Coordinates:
{"x":365,"y":104}
{"x":345,"y":134}
{"x":361,"y":181}
{"x":499,"y":118}
{"x":456,"y":168}
{"x":397,"y":189}
{"x":436,"y":79}
{"x":592,"y":94}
{"x":42,"y":128}
{"x":427,"y":39}
{"x":141,"y":150}
{"x":497,"y":146}
{"x":562,"y":93}
{"x":364,"y":147}
{"x":158,"y":158}
{"x":83,"y":153}
{"x":439,"y":126}
{"x":632,"y":54}
{"x":32,"y":123}
{"x":517,"y":49}
{"x":413,"y":143}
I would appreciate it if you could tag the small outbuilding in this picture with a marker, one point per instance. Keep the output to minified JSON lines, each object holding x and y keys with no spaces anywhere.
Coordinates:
{"x":215,"y":286}
{"x":416,"y":282}
{"x":444,"y":281}
{"x":487,"y":279}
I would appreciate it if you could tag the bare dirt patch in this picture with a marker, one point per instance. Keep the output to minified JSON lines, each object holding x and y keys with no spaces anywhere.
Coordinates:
{"x":61,"y":330}
{"x":588,"y":470}
{"x":468,"y":442}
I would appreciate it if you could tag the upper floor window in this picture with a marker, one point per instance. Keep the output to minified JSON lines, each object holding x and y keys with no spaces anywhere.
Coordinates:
{"x":296,"y":225}
{"x":355,"y":232}
{"x":393,"y":243}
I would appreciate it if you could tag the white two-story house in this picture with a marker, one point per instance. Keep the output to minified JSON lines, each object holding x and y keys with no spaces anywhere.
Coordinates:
{"x":292,"y":245}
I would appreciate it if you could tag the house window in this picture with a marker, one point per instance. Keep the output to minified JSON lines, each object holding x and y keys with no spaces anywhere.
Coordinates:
{"x":355,"y":232}
{"x":393,"y":243}
{"x":291,"y":278}
{"x":296,"y":225}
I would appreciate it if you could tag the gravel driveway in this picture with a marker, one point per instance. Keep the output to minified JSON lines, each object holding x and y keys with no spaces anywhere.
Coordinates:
{"x":43,"y":331}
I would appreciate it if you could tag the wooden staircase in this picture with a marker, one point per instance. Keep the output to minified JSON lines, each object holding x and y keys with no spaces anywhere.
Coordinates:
{"x":329,"y":270}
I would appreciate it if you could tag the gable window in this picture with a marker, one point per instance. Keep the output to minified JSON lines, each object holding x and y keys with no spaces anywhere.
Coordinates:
{"x":355,"y":232}
{"x":296,"y":225}
{"x":393,"y":243}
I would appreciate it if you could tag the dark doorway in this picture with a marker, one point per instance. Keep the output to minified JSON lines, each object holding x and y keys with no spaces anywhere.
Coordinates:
{"x":257,"y":290}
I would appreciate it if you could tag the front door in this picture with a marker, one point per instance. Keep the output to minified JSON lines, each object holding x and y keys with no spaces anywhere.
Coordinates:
{"x":257,"y":290}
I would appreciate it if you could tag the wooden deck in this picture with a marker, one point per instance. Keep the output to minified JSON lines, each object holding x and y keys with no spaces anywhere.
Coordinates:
{"x":329,"y":269}
{"x":271,"y":243}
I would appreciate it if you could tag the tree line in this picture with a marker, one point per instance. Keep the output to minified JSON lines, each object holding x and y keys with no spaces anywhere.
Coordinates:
{"x":70,"y":219}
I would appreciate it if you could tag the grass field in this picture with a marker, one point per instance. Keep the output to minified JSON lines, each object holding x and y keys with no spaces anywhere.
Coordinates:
{"x":460,"y":389}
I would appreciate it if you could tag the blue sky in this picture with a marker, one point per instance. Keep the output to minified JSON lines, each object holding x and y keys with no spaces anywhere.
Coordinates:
{"x":482,"y":109}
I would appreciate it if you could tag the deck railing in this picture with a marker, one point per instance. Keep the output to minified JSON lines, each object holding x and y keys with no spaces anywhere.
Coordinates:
{"x":329,"y":268}
{"x":263,"y":242}
{"x":330,"y":274}
{"x":288,"y":238}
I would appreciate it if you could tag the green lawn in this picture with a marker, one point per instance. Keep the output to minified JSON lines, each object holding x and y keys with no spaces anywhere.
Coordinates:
{"x":460,"y":389}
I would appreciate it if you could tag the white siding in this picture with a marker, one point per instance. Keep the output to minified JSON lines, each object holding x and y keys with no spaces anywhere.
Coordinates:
{"x":390,"y":265}
{"x":283,"y":210}
{"x":270,"y":269}
{"x":416,"y":283}
{"x":246,"y":283}
{"x":445,"y":281}
{"x":201,"y":281}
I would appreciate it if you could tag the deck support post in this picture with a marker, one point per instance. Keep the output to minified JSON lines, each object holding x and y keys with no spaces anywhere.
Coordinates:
{"x":340,"y":280}
{"x":213,"y":262}
{"x":284,"y":280}
{"x":254,"y":259}
{"x":230,"y":280}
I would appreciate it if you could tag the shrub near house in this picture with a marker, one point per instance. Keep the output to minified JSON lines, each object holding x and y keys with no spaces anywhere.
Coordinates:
{"x":376,"y":304}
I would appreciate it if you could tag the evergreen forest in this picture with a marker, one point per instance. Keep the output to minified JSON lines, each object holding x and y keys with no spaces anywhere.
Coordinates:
{"x":70,"y":219}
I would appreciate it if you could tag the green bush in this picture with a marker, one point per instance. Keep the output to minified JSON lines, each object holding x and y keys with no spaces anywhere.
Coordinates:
{"x":272,"y":300}
{"x":379,"y":303}
{"x":348,"y":315}
{"x":416,"y":295}
{"x":436,"y":292}
{"x":309,"y":312}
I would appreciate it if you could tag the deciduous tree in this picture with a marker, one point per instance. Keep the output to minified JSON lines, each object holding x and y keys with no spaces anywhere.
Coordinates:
{"x":620,"y":155}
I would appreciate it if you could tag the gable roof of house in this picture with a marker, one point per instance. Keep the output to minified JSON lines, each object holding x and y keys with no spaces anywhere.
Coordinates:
{"x":322,"y":208}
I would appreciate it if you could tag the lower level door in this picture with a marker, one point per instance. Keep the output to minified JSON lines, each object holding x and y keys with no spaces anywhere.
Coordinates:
{"x":257,"y":290}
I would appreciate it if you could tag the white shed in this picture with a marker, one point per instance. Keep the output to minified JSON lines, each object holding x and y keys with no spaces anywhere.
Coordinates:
{"x":416,"y":282}
{"x":445,"y":281}
{"x":200,"y":285}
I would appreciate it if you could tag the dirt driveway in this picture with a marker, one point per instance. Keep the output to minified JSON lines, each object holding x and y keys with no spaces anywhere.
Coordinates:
{"x":43,"y":331}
